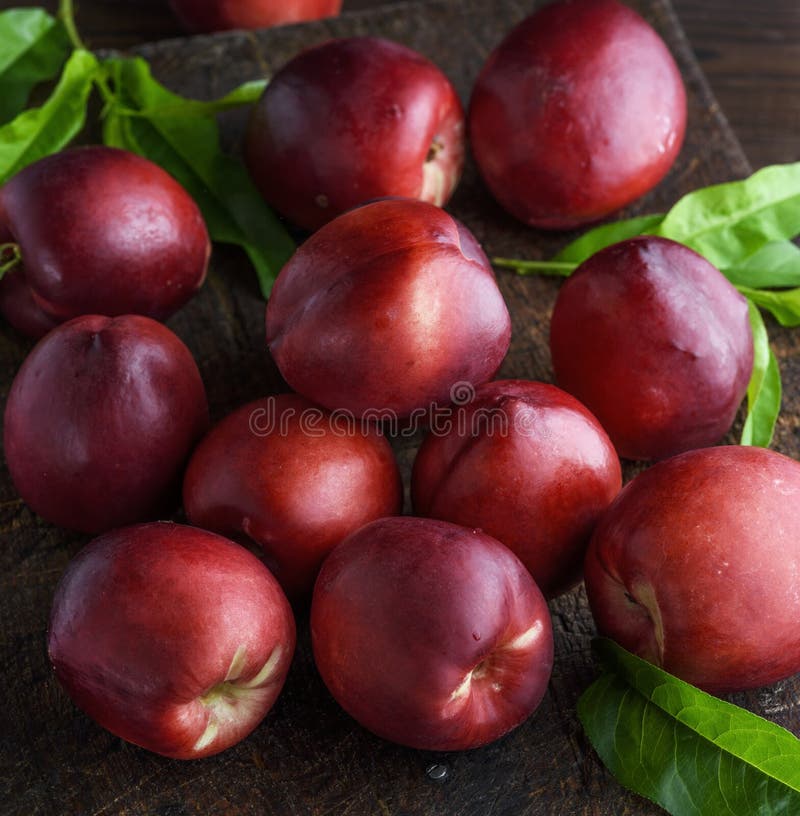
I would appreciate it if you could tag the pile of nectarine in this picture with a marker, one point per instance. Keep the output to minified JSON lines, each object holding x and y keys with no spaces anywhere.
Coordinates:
{"x":431,"y":631}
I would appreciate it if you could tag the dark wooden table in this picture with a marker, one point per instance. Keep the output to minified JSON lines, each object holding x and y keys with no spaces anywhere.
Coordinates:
{"x":310,"y":758}
{"x":750,"y":52}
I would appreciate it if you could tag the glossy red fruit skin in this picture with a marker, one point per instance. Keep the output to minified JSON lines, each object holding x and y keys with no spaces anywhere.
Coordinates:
{"x":577,"y":113}
{"x":350,"y":121}
{"x":431,"y":635}
{"x":526,"y":463}
{"x":100,"y":420}
{"x":386,"y":309}
{"x":103,"y":231}
{"x":706,"y":548}
{"x":656,"y":343}
{"x":148,"y":619}
{"x":204,"y":16}
{"x":285,"y":474}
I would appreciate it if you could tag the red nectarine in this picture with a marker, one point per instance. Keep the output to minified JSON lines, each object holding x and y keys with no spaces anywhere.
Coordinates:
{"x":385,"y":309}
{"x":100,"y":421}
{"x":172,"y":638}
{"x":526,"y":463}
{"x":578,"y":112}
{"x":352,"y":120}
{"x":104,"y":231}
{"x":430,"y":634}
{"x":656,"y":343}
{"x":295,"y":480}
{"x":695,"y":567}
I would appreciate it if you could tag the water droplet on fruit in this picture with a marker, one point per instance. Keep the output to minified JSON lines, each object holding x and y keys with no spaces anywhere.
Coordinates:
{"x":438,"y":773}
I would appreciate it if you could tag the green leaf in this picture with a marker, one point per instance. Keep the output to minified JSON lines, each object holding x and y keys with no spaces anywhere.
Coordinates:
{"x":182,"y":138}
{"x":776,"y":264}
{"x":764,"y":389}
{"x":693,"y":754}
{"x":33,"y":47}
{"x":729,"y":222}
{"x":38,"y":132}
{"x":607,"y":234}
{"x":784,"y":304}
{"x":245,"y":94}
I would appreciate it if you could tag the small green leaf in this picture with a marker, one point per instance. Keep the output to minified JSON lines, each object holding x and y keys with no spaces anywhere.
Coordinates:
{"x":784,"y":304}
{"x":691,"y":753}
{"x":33,"y":47}
{"x":245,"y":94}
{"x":776,"y":264}
{"x":182,"y":138}
{"x":764,"y":389}
{"x":38,"y":132}
{"x":607,"y":234}
{"x":728,"y":222}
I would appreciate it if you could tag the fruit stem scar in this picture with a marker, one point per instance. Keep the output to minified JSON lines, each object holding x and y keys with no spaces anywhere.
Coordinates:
{"x":524,"y":640}
{"x":225,"y":696}
{"x":207,"y":737}
{"x":462,"y":688}
{"x":267,"y":670}
{"x":10,"y":256}
{"x":645,"y":597}
{"x":434,"y":150}
{"x":237,"y":663}
{"x":232,"y":687}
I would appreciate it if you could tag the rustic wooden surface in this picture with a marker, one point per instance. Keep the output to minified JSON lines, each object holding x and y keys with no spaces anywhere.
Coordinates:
{"x":308,"y":757}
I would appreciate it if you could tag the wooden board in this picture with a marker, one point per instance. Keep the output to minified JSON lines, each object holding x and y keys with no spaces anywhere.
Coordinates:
{"x":308,"y":757}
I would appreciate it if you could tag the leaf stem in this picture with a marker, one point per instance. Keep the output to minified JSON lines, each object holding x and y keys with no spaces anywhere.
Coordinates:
{"x":7,"y":264}
{"x":564,"y":268}
{"x":66,"y":14}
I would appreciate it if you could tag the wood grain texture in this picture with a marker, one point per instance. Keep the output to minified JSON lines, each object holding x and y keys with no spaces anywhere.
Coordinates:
{"x":308,"y":757}
{"x":750,"y":53}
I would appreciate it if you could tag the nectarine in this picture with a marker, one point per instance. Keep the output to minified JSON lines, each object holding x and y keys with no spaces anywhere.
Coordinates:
{"x":430,"y":634}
